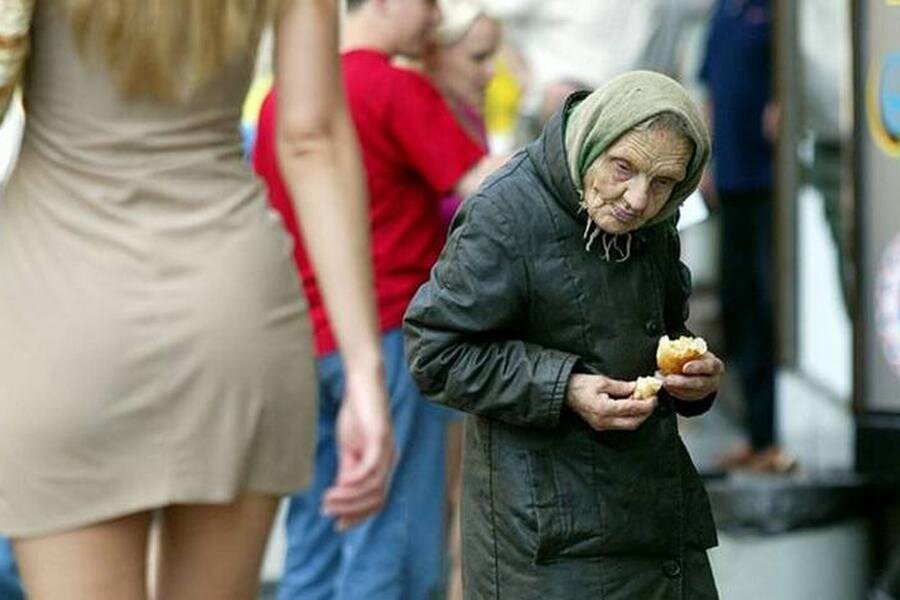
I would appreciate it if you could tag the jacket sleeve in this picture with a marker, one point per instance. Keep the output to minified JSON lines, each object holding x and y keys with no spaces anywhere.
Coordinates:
{"x":463,"y":328}
{"x":677,"y":311}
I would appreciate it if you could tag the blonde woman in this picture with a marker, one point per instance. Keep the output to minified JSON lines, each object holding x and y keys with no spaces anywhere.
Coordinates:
{"x":460,"y":61}
{"x":155,"y":356}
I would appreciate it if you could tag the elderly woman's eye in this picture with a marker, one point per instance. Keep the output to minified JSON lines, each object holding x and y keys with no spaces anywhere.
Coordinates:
{"x":622,"y":167}
{"x":663,"y":183}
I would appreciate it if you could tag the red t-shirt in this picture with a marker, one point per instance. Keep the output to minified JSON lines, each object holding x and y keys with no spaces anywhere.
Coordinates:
{"x":414,"y":153}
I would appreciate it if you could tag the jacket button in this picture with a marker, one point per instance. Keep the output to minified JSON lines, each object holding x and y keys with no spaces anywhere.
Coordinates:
{"x":671,"y":568}
{"x":652,"y":327}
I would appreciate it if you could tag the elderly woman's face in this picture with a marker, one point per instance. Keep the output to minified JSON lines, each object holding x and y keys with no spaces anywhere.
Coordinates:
{"x":633,"y":179}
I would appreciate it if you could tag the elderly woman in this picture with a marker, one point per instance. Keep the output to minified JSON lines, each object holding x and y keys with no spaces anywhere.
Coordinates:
{"x":559,"y":277}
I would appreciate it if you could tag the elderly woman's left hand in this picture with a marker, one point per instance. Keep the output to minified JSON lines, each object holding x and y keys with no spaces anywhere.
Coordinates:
{"x":699,"y":378}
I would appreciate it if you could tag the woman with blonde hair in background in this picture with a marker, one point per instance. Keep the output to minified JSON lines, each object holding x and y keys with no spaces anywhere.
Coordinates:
{"x":155,"y":356}
{"x":460,"y":62}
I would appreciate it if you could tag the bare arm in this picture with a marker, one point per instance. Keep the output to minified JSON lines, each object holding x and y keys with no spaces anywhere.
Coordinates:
{"x":319,"y":159}
{"x":471,"y":179}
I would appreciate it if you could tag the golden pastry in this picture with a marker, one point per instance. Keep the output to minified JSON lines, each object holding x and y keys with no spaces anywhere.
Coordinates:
{"x":672,"y":355}
{"x":646,"y":387}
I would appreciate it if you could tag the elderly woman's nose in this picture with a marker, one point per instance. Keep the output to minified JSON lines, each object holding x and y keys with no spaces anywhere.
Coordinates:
{"x":637,"y":194}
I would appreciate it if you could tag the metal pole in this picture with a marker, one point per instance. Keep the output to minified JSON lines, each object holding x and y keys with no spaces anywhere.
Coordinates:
{"x":786,"y":60}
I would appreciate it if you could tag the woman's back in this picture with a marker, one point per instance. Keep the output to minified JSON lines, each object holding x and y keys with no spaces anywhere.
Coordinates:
{"x":150,"y":316}
{"x":155,"y":356}
{"x":104,"y":149}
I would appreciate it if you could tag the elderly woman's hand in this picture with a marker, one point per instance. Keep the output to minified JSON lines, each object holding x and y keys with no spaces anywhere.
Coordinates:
{"x":699,"y":378}
{"x":605,"y":403}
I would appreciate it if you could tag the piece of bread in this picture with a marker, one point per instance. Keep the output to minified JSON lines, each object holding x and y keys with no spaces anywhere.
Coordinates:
{"x":672,"y":355}
{"x":646,"y":387}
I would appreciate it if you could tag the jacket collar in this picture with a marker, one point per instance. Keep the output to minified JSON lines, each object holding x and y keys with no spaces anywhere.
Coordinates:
{"x":548,"y":155}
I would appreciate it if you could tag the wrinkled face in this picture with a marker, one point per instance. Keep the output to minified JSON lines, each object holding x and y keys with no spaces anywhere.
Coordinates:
{"x":463,"y":70}
{"x":412,"y":21}
{"x":632,"y":180}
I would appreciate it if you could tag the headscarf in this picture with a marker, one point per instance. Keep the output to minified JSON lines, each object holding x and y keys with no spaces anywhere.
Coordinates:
{"x":614,"y":109}
{"x":15,"y":22}
{"x":457,"y":18}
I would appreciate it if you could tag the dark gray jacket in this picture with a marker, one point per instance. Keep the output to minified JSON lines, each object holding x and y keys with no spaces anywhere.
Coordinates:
{"x":551,"y":508}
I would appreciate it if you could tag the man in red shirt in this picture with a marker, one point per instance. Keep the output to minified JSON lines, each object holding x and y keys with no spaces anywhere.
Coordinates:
{"x":414,"y":152}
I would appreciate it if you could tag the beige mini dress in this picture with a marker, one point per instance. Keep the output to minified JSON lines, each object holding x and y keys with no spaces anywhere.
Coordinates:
{"x":154,"y":341}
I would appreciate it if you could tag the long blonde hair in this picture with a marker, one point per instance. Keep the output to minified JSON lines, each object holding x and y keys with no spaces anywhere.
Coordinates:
{"x":167,"y":48}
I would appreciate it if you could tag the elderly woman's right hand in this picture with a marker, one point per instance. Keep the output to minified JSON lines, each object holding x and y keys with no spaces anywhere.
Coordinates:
{"x":605,"y":403}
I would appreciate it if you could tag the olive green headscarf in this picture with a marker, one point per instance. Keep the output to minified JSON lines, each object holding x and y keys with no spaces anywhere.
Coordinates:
{"x":614,"y":109}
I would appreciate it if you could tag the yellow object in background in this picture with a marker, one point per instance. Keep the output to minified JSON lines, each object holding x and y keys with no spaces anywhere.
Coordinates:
{"x":255,"y":97}
{"x":502,"y":98}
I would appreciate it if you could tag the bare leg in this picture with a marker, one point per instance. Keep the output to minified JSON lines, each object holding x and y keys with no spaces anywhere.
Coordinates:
{"x":98,"y":562}
{"x":213,"y":550}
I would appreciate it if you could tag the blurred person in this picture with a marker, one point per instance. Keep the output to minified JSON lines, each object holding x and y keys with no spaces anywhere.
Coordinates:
{"x":415,"y":152}
{"x":155,"y":353}
{"x":558,"y":279}
{"x":737,"y":71}
{"x":572,"y":44}
{"x":459,"y":60}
